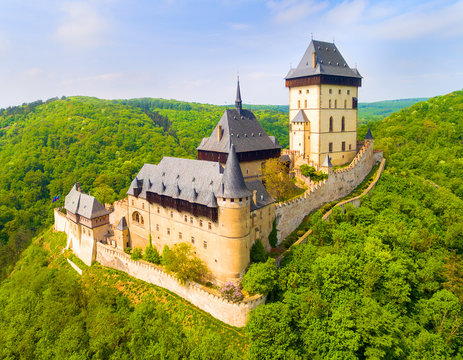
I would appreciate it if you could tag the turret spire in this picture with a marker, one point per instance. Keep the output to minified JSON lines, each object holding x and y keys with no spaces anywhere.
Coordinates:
{"x":238,"y":97}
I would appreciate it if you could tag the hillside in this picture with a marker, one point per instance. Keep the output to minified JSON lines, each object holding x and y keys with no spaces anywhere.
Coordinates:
{"x":380,"y":109}
{"x":46,"y":147}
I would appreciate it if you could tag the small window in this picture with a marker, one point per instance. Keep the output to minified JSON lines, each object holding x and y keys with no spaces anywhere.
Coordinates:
{"x":330,"y":147}
{"x":350,"y":146}
{"x":305,"y":104}
{"x":345,"y":104}
{"x":331,"y":124}
{"x":157,"y":227}
{"x":200,"y":223}
{"x":192,"y":239}
{"x":343,"y":146}
{"x":348,"y":92}
{"x":335,"y":104}
{"x":132,"y":202}
{"x":143,"y":206}
{"x":330,"y":91}
{"x":343,"y":124}
{"x":205,"y":244}
{"x":307,"y":91}
{"x":300,"y":91}
{"x":171,"y":214}
{"x":329,"y":103}
{"x":339,"y":91}
{"x":168,"y":231}
{"x":186,"y":218}
{"x":299,"y":104}
{"x":209,"y":225}
{"x":232,"y":200}
{"x":158,"y":209}
{"x":180,"y":235}
{"x":191,"y":219}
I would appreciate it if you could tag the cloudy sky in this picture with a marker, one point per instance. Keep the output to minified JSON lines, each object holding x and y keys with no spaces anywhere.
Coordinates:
{"x":193,"y":49}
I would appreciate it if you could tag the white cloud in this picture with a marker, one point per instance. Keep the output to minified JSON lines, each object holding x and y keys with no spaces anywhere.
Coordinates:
{"x":290,"y":11}
{"x":82,"y":25}
{"x":346,"y":13}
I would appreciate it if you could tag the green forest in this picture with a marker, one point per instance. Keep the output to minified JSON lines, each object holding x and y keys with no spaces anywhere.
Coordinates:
{"x":380,"y":282}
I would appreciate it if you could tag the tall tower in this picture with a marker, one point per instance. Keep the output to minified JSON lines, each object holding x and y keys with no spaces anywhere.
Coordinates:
{"x":323,"y":92}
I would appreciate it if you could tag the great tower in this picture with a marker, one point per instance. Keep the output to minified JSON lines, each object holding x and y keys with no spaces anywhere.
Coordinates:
{"x":323,"y":97}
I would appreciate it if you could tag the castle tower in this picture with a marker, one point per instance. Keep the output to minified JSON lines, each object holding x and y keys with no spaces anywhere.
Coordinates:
{"x":121,"y":234}
{"x":323,"y":92}
{"x":234,"y":215}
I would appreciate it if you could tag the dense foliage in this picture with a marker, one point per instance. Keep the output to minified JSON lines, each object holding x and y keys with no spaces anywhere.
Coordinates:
{"x":380,"y":109}
{"x":48,"y":312}
{"x":382,"y":281}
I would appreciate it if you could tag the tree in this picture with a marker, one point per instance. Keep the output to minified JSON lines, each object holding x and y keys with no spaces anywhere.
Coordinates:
{"x":152,"y":255}
{"x":277,"y":180}
{"x":137,"y":254}
{"x":273,"y":236}
{"x":182,"y":261}
{"x":261,"y":278}
{"x":258,"y":252}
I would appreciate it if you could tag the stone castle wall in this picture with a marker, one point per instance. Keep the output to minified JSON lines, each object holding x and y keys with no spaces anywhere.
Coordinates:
{"x":235,"y":314}
{"x":339,"y":184}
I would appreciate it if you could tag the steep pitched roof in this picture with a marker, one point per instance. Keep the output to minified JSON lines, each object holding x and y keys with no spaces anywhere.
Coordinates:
{"x":300,"y":117}
{"x":329,"y":61}
{"x":84,"y":205}
{"x":122,"y":224}
{"x":327,"y":162}
{"x":233,"y":185}
{"x":240,"y":129}
{"x":369,"y":135}
{"x":263,"y":198}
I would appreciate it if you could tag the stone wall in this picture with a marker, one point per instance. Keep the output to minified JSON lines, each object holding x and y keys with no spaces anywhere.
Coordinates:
{"x":339,"y":184}
{"x":235,"y":314}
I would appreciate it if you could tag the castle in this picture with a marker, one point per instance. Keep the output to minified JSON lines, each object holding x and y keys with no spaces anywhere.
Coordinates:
{"x":218,"y":203}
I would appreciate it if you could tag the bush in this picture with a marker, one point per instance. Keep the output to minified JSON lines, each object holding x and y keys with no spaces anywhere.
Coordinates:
{"x":315,"y":176}
{"x":128,"y":250}
{"x":182,"y":261}
{"x":152,"y":255}
{"x":258,"y":252}
{"x":137,"y":254}
{"x":273,"y":236}
{"x":232,"y":292}
{"x":261,"y":278}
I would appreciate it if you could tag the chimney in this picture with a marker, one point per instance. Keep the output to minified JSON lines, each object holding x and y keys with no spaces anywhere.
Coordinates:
{"x":314,"y":60}
{"x":78,"y":188}
{"x":254,"y":196}
{"x":219,"y":132}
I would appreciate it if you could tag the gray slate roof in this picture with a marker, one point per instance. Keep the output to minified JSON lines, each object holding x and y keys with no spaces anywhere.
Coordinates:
{"x":241,"y":129}
{"x":369,"y":135}
{"x":300,"y":117}
{"x":122,"y":224}
{"x":198,"y":181}
{"x":84,"y":205}
{"x":329,"y":61}
{"x":327,"y":162}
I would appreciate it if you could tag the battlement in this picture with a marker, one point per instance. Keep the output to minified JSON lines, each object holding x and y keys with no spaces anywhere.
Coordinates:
{"x":235,"y":314}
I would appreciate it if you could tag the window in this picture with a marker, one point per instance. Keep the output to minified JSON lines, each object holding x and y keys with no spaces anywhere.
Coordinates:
{"x":191,"y":219}
{"x":339,"y":91}
{"x":299,"y":104}
{"x":354,"y":103}
{"x":180,"y":235}
{"x":137,"y":218}
{"x":331,"y":124}
{"x":300,"y":91}
{"x":348,"y":92}
{"x":205,"y":244}
{"x":335,"y":104}
{"x":143,"y":206}
{"x":186,"y":218}
{"x":168,"y":231}
{"x":157,"y":227}
{"x":305,"y":103}
{"x":330,"y":147}
{"x":345,"y":104}
{"x":209,"y":225}
{"x":192,"y":239}
{"x":171,"y":214}
{"x":158,"y":209}
{"x":343,"y":124}
{"x":329,"y":103}
{"x":330,"y":91}
{"x":343,"y":146}
{"x":132,"y":202}
{"x":200,"y":223}
{"x":307,"y":91}
{"x":350,"y":146}
{"x":232,"y":200}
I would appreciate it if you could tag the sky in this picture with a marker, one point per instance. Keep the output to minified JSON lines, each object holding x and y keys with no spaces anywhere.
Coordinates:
{"x":193,"y":50}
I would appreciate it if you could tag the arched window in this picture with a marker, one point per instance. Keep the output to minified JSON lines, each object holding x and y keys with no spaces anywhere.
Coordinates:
{"x":331,"y":124}
{"x":343,"y":124}
{"x":137,"y":218}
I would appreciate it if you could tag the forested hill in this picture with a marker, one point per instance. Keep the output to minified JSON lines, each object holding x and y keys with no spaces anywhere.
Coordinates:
{"x":47,"y":146}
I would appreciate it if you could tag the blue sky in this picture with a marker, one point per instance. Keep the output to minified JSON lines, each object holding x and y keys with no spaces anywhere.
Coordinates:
{"x":193,"y":50}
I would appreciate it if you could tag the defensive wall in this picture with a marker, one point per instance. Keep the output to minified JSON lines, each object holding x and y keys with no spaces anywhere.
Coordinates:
{"x":235,"y":314}
{"x":356,"y":202}
{"x":339,"y":184}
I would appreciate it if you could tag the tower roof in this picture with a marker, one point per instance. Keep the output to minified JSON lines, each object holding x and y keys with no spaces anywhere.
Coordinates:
{"x":238,"y":103}
{"x":300,"y":117}
{"x":233,"y":185}
{"x":328,"y":61}
{"x":82,"y":204}
{"x":122,"y":224}
{"x":327,"y":162}
{"x":369,"y":135}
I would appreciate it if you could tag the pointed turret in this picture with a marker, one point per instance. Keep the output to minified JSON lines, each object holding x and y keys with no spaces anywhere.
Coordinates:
{"x":327,"y":163}
{"x":369,"y":136}
{"x":233,"y":185}
{"x":238,"y":103}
